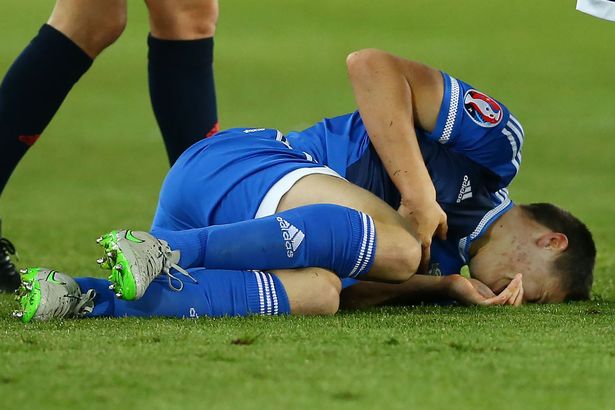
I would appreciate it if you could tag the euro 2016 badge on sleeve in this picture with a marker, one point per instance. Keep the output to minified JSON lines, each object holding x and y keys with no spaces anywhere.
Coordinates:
{"x":483,"y":110}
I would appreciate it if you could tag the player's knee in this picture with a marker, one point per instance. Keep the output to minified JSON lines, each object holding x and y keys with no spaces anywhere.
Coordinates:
{"x":411,"y":257}
{"x":185,"y":20}
{"x":93,"y":26}
{"x":92,"y":32}
{"x":406,"y":257}
{"x":311,"y":291}
{"x":329,"y":299}
{"x":107,"y":32}
{"x":326,"y":294}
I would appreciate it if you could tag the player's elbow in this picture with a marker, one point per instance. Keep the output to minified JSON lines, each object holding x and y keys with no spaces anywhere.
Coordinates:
{"x":364,"y":60}
{"x":364,"y":56}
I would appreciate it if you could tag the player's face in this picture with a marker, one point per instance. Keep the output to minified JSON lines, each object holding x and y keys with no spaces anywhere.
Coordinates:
{"x":497,"y":263}
{"x":539,"y":289}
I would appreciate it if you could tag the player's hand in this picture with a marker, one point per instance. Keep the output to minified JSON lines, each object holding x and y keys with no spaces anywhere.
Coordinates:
{"x":427,"y":219}
{"x":514,"y":291}
{"x":474,"y":292}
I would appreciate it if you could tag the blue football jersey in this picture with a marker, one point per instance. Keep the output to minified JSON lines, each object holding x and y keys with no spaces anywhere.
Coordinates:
{"x":472,"y":156}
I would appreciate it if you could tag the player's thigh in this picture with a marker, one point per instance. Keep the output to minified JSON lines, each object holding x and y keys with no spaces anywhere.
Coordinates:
{"x":92,"y":24}
{"x":182,"y":20}
{"x":398,"y":253}
{"x":311,"y":291}
{"x":320,"y":189}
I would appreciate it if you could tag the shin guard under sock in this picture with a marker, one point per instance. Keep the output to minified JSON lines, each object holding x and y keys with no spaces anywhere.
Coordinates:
{"x":328,"y":236}
{"x":216,"y":293}
{"x":181,"y":83}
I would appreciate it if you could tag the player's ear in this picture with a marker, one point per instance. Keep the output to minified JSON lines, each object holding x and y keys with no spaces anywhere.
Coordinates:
{"x":553,"y":240}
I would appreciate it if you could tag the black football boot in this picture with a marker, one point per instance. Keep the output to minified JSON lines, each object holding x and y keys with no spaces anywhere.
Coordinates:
{"x":9,"y":277}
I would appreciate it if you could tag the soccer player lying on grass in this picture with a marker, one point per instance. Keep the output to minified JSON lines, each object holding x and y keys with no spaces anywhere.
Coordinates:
{"x":272,"y":224}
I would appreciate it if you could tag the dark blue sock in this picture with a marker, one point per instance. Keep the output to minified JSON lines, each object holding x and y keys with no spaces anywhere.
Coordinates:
{"x":328,"y":236}
{"x":32,"y":91}
{"x":181,"y":84}
{"x":216,"y":293}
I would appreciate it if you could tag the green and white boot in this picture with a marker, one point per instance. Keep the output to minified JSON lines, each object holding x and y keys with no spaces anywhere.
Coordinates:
{"x":135,"y":259}
{"x":46,"y":294}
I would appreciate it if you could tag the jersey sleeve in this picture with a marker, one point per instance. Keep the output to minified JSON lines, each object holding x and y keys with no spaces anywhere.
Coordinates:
{"x":475,"y":125}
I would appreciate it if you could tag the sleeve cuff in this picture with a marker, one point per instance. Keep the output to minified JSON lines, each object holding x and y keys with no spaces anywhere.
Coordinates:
{"x":447,"y":117}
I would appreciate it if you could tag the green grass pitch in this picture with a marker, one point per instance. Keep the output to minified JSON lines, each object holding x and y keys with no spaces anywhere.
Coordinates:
{"x":281,"y":64}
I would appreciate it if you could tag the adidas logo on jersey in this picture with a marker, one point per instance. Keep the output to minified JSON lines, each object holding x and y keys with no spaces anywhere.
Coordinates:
{"x":466,"y":189}
{"x":292,"y":236}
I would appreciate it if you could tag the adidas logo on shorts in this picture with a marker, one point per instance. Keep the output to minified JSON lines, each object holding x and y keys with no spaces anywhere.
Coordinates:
{"x":292,"y":236}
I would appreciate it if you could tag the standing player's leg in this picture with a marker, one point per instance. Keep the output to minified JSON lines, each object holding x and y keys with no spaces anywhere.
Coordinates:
{"x":180,"y":70}
{"x":46,"y":294}
{"x":77,"y":31}
{"x":40,"y":78}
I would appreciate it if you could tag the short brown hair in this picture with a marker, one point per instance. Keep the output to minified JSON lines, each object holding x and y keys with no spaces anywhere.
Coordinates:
{"x":575,"y":265}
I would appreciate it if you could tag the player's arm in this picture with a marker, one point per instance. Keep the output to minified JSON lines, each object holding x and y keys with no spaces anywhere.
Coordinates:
{"x":394,"y":95}
{"x":424,"y":288}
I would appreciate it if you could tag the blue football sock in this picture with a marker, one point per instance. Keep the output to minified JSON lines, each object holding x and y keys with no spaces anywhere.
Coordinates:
{"x":181,"y":84}
{"x":32,"y":91}
{"x":328,"y":236}
{"x":217,"y":293}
